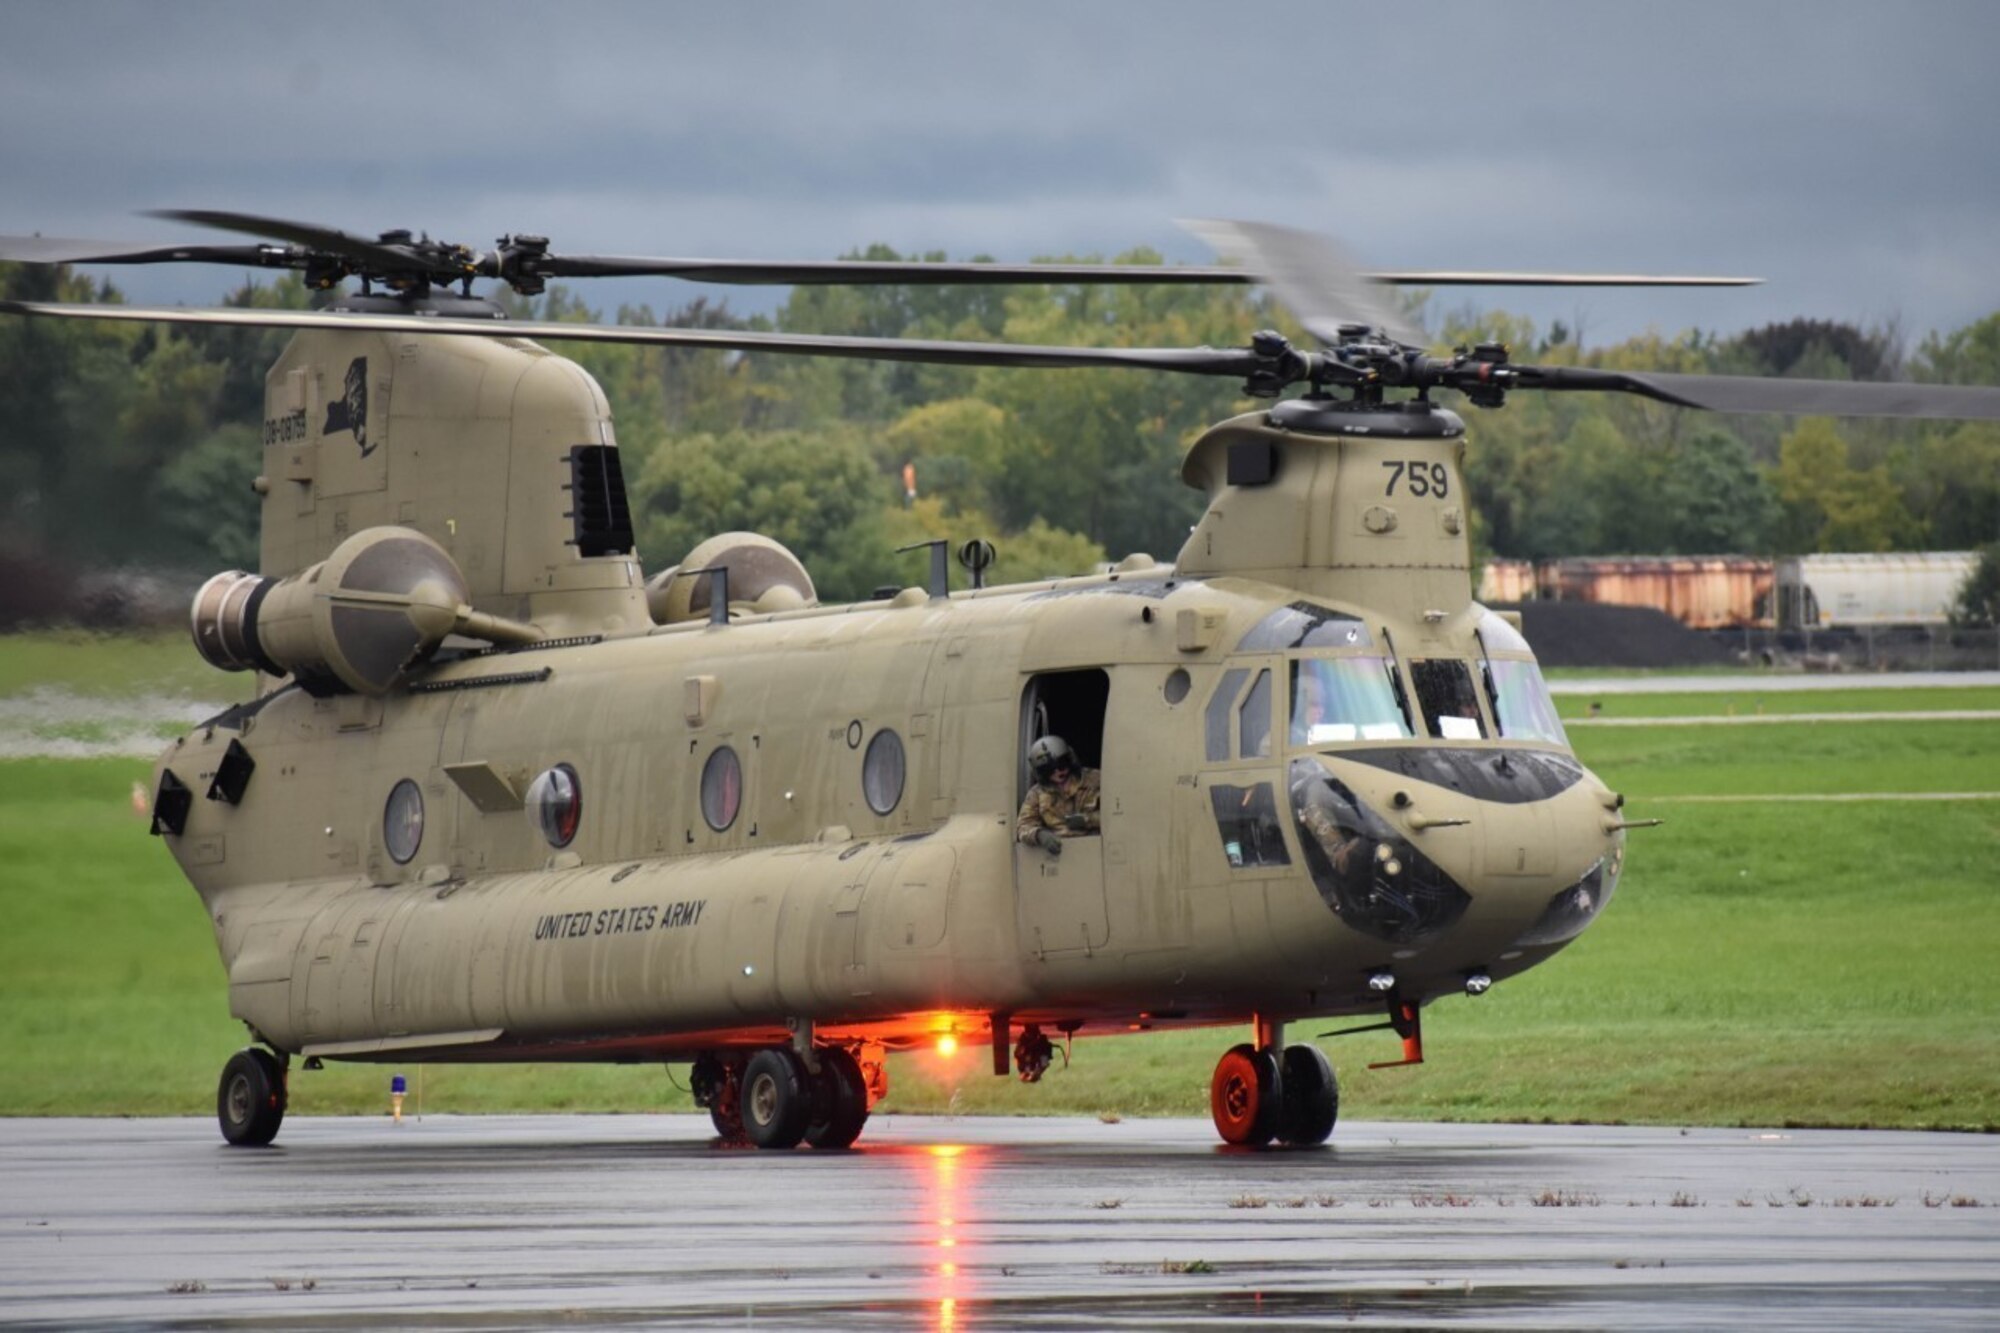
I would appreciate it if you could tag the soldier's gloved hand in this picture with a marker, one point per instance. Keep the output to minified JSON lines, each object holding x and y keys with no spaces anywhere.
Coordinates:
{"x":1078,"y":823}
{"x":1046,"y":839}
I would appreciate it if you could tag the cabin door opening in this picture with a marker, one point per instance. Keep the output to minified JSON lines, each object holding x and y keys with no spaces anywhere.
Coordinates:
{"x":1061,"y":898}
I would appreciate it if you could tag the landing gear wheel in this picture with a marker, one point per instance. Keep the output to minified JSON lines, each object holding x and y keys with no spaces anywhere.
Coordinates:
{"x":839,"y":1100}
{"x":1243,"y":1096}
{"x":250,"y":1102}
{"x":1309,"y":1096}
{"x":777,"y":1099}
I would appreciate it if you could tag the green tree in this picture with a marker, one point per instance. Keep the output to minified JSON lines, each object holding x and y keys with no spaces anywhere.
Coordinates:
{"x":1978,"y":601}
{"x":819,"y":494}
{"x":62,"y":386}
{"x":1951,"y":476}
{"x":204,"y":498}
{"x":1037,"y":552}
{"x":1715,"y":499}
{"x":1829,"y":505}
{"x":1970,"y":355}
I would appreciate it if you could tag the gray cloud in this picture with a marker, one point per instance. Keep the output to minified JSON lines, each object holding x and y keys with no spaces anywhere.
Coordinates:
{"x":1840,"y":150}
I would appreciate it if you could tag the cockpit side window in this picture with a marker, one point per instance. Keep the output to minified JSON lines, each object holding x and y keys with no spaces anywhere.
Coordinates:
{"x":1449,"y":701}
{"x":1216,"y":720}
{"x":1255,"y":717}
{"x":1345,"y":699}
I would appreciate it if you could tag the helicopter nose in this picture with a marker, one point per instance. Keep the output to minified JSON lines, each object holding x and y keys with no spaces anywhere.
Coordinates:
{"x":1502,"y":857}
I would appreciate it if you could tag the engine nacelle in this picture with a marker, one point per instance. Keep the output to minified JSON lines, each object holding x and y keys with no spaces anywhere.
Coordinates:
{"x":761,"y":574}
{"x":358,"y":621}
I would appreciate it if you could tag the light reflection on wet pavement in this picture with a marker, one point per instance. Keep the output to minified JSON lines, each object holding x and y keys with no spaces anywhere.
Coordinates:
{"x":949,"y":1224}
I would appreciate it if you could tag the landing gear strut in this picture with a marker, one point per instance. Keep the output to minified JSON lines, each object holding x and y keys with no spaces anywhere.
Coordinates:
{"x":716,"y":1083}
{"x":250,"y":1103}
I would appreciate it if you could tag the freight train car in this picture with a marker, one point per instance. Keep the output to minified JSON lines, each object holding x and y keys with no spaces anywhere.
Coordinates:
{"x":1899,"y":588}
{"x":1700,"y":591}
{"x":1912,"y":589}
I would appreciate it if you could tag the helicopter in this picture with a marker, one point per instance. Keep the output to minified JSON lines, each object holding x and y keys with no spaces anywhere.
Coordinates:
{"x":503,"y":796}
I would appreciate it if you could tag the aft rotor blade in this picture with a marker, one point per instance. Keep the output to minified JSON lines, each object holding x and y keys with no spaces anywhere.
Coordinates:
{"x":1476,"y":278}
{"x":861,"y":272}
{"x":1195,"y":361}
{"x":313,"y":237}
{"x":373,"y":254}
{"x":1309,"y":276}
{"x":70,"y":250}
{"x":1746,"y":393}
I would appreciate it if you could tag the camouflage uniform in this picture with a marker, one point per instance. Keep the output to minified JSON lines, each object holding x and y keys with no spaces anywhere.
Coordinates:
{"x":1319,"y":816}
{"x":1049,"y":806}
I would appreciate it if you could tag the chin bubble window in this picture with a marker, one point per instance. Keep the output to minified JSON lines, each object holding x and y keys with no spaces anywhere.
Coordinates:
{"x":555,"y":803}
{"x":882,"y":771}
{"x":1247,"y":819}
{"x":721,"y":788}
{"x":403,"y":821}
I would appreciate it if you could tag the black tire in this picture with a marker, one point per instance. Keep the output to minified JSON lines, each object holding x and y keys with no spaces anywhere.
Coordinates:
{"x":777,"y":1098}
{"x":250,"y":1102}
{"x":1309,"y":1096}
{"x":1243,"y":1096}
{"x":840,"y":1101}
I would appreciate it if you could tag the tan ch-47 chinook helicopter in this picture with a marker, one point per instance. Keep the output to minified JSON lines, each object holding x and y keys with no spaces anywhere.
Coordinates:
{"x":500,"y":797}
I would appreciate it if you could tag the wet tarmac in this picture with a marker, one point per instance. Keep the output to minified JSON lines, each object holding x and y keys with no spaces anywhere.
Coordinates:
{"x":946,"y":1223}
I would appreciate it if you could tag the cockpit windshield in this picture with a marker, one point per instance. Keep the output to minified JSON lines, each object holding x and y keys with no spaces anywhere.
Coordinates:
{"x":1514,"y":686}
{"x":1522,"y":704}
{"x":1450,"y":704}
{"x":1345,"y":699}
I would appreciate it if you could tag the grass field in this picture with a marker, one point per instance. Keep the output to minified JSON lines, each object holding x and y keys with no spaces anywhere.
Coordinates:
{"x":113,"y":666}
{"x":1777,"y":703}
{"x":1766,"y":962}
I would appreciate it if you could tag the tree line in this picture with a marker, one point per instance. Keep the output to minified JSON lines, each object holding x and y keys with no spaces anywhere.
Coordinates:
{"x":133,"y":444}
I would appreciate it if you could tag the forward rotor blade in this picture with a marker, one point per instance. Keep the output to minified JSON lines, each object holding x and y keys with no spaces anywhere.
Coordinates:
{"x":1716,"y":393}
{"x":1195,"y":361}
{"x":1747,"y":393}
{"x":1309,"y":276}
{"x":313,"y":237}
{"x":69,"y":250}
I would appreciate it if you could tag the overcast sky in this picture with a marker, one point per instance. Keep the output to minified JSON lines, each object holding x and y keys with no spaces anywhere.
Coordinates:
{"x":1844,"y":152}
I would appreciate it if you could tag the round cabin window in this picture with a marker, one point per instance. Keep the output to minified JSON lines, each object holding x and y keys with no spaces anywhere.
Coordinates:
{"x":403,"y":821}
{"x":1176,"y":688}
{"x":555,"y":802}
{"x":882,"y":771}
{"x":721,"y":789}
